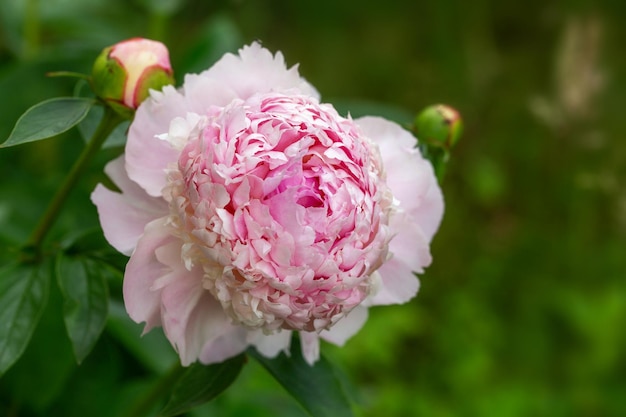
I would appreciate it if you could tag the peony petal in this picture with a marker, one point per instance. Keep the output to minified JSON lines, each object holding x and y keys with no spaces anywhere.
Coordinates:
{"x":191,"y":316}
{"x":270,"y":345}
{"x":147,"y":157}
{"x":398,"y":284}
{"x":257,"y":71}
{"x":409,"y":176}
{"x":192,"y":319}
{"x":310,"y":345}
{"x":231,"y":343}
{"x":430,"y":211}
{"x":142,"y":300}
{"x":347,"y":327}
{"x":409,"y":245}
{"x":201,"y":92}
{"x":124,"y":216}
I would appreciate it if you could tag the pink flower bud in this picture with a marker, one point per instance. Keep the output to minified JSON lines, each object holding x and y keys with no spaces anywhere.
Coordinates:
{"x":124,"y":73}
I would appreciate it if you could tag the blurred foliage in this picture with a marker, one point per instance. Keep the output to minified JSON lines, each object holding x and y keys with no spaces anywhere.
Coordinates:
{"x":520,"y":312}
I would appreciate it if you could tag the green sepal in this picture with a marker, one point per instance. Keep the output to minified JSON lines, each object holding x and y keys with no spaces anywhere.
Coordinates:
{"x":108,"y":77}
{"x":153,"y":78}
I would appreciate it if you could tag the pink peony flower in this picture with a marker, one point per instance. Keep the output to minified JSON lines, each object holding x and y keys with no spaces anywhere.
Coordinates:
{"x":250,"y":210}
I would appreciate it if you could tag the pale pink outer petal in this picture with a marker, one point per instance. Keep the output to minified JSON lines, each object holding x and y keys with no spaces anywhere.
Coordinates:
{"x":409,"y":175}
{"x":310,"y":345}
{"x":201,"y":92}
{"x":399,"y":284}
{"x":413,"y":183}
{"x":256,"y":70}
{"x":142,"y":295}
{"x":124,"y":216}
{"x":159,"y":290}
{"x":147,"y":157}
{"x":231,"y":343}
{"x":192,"y":318}
{"x":347,"y":327}
{"x":270,"y":345}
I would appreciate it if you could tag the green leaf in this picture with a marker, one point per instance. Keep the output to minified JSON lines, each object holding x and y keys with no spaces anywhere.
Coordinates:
{"x":152,"y":349}
{"x":43,"y":371}
{"x":201,"y":383}
{"x":23,"y":295}
{"x":88,"y":126}
{"x":317,"y":388}
{"x":92,"y":243}
{"x":48,"y":118}
{"x":84,"y":287}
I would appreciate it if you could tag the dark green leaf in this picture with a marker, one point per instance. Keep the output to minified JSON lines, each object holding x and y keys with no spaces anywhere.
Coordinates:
{"x":41,"y":374}
{"x":84,"y":241}
{"x":92,"y":243}
{"x":23,"y":295}
{"x":201,"y":383}
{"x":152,"y":349}
{"x":48,"y":119}
{"x":84,"y":287}
{"x":317,"y":388}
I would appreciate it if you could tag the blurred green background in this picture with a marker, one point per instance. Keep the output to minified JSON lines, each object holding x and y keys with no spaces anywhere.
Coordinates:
{"x":520,"y":313}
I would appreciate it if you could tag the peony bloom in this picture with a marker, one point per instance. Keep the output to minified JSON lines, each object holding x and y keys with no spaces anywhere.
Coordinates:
{"x":124,"y":73}
{"x":250,"y":210}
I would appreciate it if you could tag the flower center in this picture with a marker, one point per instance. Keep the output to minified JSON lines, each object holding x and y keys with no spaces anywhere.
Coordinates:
{"x":280,"y":200}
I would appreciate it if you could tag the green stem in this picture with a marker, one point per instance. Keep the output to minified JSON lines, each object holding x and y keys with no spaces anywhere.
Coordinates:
{"x":109,"y":121}
{"x":68,"y":74}
{"x":159,"y":391}
{"x":31,"y":29}
{"x":438,"y":157}
{"x":158,"y":25}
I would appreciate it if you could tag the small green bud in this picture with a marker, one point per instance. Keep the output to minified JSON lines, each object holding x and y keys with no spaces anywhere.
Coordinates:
{"x":438,"y":129}
{"x":124,"y":73}
{"x":439,"y":125}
